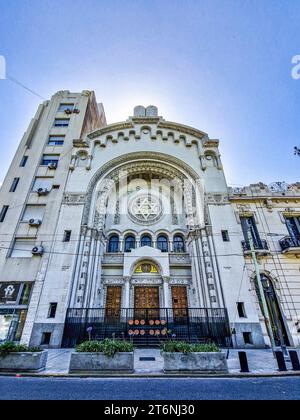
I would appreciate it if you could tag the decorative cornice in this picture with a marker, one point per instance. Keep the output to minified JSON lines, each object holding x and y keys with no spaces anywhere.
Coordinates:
{"x":74,"y":198}
{"x":179,"y":281}
{"x":159,"y":122}
{"x":146,"y":280}
{"x":217,"y":198}
{"x":80,"y":143}
{"x":144,"y":120}
{"x":110,"y":128}
{"x":182,"y":129}
{"x":211,"y":144}
{"x":278,"y":190}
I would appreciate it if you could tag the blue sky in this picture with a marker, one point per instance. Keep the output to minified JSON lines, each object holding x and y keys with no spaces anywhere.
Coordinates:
{"x":223,"y":66}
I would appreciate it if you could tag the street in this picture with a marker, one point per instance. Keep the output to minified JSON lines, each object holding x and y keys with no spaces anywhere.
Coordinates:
{"x":184,"y":389}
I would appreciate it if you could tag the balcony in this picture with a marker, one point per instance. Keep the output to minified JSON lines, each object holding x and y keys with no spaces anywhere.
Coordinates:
{"x":261,"y":248}
{"x":290,"y":245}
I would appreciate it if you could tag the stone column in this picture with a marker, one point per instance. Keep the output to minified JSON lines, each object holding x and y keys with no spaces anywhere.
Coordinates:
{"x":96,"y":284}
{"x":167,"y":294}
{"x":89,"y":163}
{"x":78,"y":267}
{"x":127,"y":293}
{"x":73,"y":162}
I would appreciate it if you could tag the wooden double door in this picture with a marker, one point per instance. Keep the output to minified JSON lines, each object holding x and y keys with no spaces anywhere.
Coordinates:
{"x":113,"y":303}
{"x":146,"y":299}
{"x":179,"y":301}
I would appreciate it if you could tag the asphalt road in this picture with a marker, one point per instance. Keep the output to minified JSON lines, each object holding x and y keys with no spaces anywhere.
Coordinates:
{"x":149,"y":389}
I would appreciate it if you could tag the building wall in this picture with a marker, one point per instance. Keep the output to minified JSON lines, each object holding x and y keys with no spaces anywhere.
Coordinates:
{"x":34,"y":145}
{"x":76,"y":274}
{"x":270,"y":208}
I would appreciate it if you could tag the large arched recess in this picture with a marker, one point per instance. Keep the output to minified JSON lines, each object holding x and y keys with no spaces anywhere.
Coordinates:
{"x":170,"y":167}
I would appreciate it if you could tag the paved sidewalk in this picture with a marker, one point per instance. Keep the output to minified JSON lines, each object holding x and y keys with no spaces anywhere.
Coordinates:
{"x":58,"y":362}
{"x":261,"y":362}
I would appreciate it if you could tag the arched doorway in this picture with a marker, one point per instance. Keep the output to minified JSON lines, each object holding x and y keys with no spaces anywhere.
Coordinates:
{"x":146,"y":297}
{"x":277,"y":323}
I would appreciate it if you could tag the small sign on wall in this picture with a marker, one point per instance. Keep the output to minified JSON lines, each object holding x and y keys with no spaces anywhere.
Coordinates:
{"x":9,"y":293}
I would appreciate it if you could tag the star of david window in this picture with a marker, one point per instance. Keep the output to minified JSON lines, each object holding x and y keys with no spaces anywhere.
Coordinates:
{"x":145,"y":209}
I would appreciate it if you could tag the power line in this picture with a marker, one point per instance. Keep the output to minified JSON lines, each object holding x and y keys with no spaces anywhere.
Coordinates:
{"x":17,"y":82}
{"x":125,"y":253}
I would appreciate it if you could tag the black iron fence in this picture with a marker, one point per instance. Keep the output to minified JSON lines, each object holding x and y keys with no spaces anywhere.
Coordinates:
{"x":148,"y":327}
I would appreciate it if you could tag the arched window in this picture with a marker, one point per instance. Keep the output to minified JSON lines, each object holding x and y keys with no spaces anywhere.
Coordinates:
{"x":129,"y":243}
{"x":113,"y":244}
{"x":162,"y":243}
{"x":81,"y":159}
{"x":146,"y":240}
{"x":178,"y":245}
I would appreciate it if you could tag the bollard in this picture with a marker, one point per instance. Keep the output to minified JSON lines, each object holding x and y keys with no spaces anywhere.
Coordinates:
{"x":295,"y":360}
{"x":280,"y":361}
{"x":244,"y":362}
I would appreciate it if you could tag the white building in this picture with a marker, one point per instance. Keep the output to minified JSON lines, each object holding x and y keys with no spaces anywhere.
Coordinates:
{"x":131,"y":229}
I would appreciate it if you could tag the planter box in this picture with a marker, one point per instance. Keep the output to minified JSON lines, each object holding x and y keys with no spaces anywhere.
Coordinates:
{"x":24,"y":362}
{"x":195,"y":362}
{"x":98,"y":362}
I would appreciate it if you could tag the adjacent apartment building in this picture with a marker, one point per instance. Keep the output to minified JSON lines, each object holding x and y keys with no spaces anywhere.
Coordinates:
{"x":130,"y":230}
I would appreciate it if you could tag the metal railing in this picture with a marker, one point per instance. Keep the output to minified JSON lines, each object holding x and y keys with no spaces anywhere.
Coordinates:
{"x":148,"y":327}
{"x":289,"y":242}
{"x":261,"y":244}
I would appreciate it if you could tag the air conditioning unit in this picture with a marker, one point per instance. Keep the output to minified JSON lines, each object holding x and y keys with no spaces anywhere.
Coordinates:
{"x":43,"y":191}
{"x":38,"y":251}
{"x":52,"y":165}
{"x":35,"y":222}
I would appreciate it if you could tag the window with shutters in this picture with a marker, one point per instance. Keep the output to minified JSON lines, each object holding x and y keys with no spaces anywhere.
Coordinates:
{"x":22,"y":248}
{"x":33,"y":212}
{"x":44,"y":183}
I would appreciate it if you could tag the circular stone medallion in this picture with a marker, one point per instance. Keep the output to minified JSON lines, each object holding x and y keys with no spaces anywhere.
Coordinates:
{"x":145,"y":209}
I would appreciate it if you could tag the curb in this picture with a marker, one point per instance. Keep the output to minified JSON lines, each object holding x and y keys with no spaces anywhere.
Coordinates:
{"x":154,"y":376}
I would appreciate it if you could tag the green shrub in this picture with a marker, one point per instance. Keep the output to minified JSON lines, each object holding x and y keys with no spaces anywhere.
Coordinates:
{"x":108,"y":347}
{"x":183,"y":347}
{"x":10,"y":347}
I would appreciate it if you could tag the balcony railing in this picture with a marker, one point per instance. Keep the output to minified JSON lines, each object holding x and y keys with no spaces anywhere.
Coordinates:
{"x":261,"y":245}
{"x":289,"y":243}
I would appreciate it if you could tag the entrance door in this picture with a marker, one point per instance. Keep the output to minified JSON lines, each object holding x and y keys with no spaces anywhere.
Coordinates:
{"x":113,"y":303}
{"x":277,"y":322}
{"x":180,"y":301}
{"x":146,"y":300}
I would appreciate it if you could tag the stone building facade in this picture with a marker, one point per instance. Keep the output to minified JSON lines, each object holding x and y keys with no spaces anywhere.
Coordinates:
{"x":134,"y":223}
